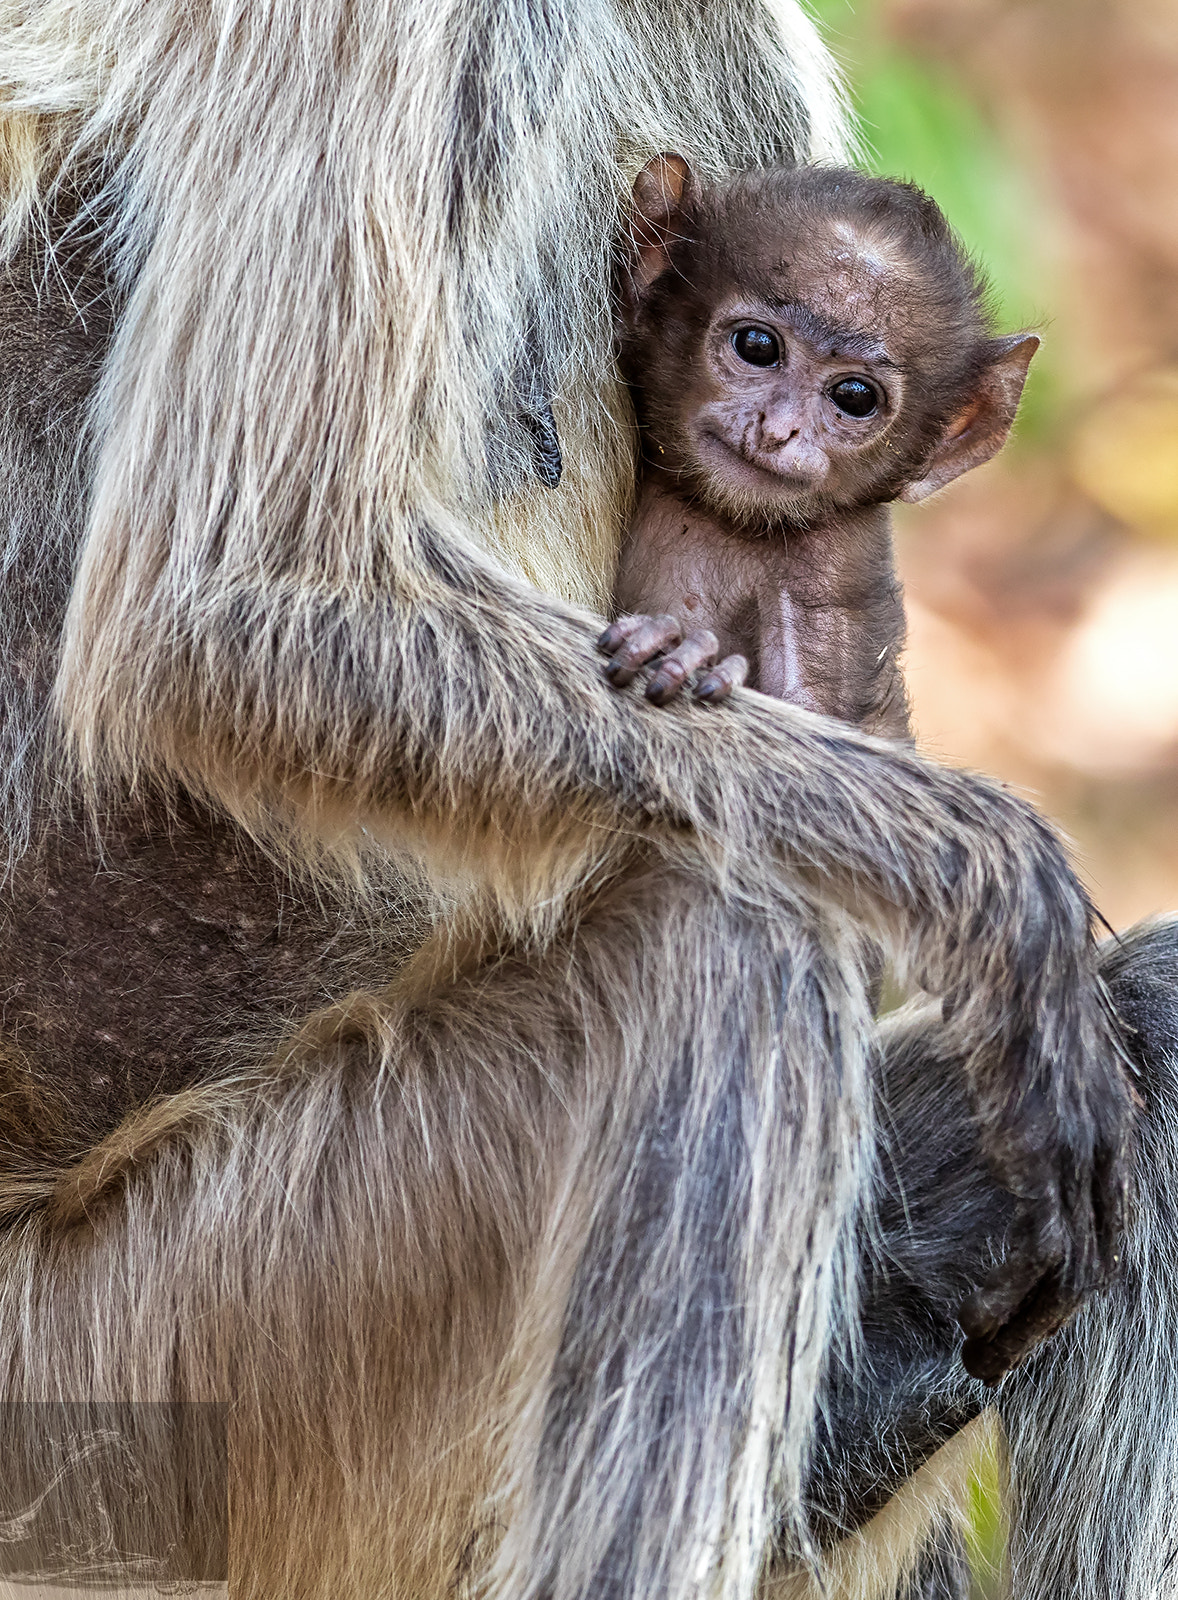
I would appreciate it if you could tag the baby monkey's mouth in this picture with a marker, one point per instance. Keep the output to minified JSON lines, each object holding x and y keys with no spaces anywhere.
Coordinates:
{"x":790,"y":484}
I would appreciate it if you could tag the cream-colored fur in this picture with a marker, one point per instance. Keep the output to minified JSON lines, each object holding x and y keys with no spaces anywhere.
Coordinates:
{"x":881,"y":1557}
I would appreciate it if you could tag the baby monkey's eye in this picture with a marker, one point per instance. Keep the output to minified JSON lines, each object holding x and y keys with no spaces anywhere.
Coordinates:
{"x":757,"y":346}
{"x":855,"y":396}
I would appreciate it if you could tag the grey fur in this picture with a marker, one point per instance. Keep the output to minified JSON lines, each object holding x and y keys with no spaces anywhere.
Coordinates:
{"x":543,"y":1236}
{"x":1091,"y":1422}
{"x":1089,"y":1419}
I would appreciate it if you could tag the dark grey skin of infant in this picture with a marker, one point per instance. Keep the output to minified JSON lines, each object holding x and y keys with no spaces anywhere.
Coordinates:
{"x":804,"y":346}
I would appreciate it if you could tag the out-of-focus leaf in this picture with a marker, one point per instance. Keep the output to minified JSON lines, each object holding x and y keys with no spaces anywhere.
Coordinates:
{"x":986,"y":1528}
{"x":924,"y":127}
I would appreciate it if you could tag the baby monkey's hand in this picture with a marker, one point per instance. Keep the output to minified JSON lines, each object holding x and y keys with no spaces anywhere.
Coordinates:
{"x":634,"y":642}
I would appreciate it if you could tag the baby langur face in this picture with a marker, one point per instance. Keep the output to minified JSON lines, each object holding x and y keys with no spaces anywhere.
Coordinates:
{"x":804,"y":342}
{"x":786,"y":413}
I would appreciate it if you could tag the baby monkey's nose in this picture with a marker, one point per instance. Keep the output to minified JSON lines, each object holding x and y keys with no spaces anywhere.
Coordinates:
{"x":792,"y":452}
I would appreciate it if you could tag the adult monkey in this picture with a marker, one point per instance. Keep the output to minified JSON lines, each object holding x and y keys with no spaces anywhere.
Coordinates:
{"x":564,"y":1207}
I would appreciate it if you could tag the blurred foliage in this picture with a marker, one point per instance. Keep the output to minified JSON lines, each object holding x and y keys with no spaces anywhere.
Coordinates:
{"x":1125,"y":455}
{"x":920,"y":122}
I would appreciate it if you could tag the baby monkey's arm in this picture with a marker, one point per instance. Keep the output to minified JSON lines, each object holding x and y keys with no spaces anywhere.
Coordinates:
{"x":636,"y":641}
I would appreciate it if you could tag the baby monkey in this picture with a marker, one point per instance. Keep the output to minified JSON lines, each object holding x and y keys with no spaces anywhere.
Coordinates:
{"x":804,"y":345}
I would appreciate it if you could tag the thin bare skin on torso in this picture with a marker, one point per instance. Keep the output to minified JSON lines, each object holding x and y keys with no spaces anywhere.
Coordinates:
{"x":817,"y":612}
{"x":163,"y":954}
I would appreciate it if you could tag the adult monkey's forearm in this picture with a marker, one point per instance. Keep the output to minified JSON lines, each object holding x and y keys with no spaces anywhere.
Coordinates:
{"x":477,"y":696}
{"x":478,"y":708}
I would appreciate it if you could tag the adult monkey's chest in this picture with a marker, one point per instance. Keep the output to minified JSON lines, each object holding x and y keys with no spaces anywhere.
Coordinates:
{"x":153,"y":946}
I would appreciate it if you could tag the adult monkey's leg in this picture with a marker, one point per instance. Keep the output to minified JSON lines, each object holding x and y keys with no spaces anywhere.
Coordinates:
{"x":446,"y":1167}
{"x":1090,"y":1418}
{"x":703,"y":1222}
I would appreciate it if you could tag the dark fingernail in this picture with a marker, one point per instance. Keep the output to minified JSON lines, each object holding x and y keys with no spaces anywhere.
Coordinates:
{"x":708,"y":688}
{"x":984,"y":1361}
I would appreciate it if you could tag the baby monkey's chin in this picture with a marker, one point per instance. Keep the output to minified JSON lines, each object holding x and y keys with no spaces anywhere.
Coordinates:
{"x":755,"y":512}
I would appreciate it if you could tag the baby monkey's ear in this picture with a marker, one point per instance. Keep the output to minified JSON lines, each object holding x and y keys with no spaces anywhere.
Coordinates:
{"x":980,"y":428}
{"x":663,"y":191}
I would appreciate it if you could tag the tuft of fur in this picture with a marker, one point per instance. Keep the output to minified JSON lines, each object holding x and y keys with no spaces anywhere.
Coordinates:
{"x":882,"y":1557}
{"x":1090,"y":1422}
{"x":1088,"y":1419}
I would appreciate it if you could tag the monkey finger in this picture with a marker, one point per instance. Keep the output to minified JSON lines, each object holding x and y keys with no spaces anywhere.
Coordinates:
{"x":1034,"y":1250}
{"x":984,"y":1313}
{"x":1042,"y":1313}
{"x":623,"y":629}
{"x":619,"y":630}
{"x":652,"y":637}
{"x":719,"y":683}
{"x":697,"y":650}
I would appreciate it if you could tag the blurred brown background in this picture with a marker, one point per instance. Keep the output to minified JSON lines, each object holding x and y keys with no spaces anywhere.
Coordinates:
{"x":1043,"y":589}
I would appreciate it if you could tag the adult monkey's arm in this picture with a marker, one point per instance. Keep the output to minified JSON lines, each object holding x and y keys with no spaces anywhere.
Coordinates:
{"x":280,"y":600}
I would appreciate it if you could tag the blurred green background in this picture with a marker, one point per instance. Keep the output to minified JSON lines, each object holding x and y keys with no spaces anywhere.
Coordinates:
{"x":1043,"y":589}
{"x":920,"y":119}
